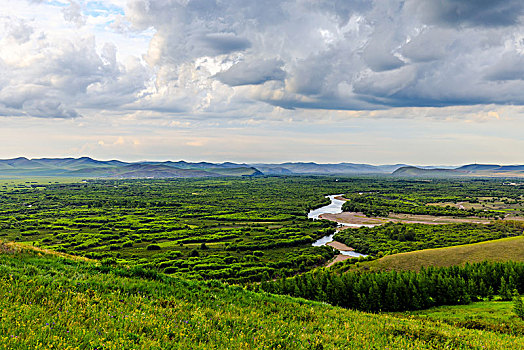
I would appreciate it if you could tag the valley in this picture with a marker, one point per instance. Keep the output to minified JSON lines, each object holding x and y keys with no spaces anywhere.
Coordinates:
{"x":189,"y":241}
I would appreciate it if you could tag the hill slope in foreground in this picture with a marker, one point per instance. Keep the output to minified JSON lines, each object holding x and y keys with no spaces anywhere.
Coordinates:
{"x":505,"y":249}
{"x":48,"y":299}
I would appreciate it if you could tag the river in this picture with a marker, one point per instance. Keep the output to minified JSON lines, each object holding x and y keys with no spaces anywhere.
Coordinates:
{"x":335,"y":207}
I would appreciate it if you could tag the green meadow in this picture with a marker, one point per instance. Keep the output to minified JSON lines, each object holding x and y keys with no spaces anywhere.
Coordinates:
{"x":53,"y":302}
{"x":192,"y":263}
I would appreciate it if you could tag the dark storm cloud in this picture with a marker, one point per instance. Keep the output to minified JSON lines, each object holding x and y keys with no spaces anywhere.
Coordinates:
{"x":509,"y":67}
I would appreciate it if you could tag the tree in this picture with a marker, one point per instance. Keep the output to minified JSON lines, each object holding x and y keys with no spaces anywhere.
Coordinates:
{"x":504,"y":290}
{"x":490,"y":293}
{"x":518,"y":306}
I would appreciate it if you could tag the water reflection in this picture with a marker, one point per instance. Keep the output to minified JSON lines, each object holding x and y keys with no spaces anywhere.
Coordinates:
{"x":335,"y":207}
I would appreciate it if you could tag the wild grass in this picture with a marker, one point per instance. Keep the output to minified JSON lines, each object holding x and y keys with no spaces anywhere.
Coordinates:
{"x":498,"y":250}
{"x":497,"y":316}
{"x":48,"y":302}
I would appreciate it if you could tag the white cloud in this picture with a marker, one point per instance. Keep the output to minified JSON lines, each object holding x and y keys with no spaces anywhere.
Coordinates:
{"x":50,"y":69}
{"x":73,"y":13}
{"x":218,"y":56}
{"x":339,"y":55}
{"x":208,"y":63}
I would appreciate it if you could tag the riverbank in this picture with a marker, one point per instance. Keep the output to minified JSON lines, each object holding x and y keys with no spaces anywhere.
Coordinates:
{"x":340,"y":246}
{"x":334,"y":208}
{"x":359,"y":219}
{"x":354,"y":218}
{"x":339,"y":258}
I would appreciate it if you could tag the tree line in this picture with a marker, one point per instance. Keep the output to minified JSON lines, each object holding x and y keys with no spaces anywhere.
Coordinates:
{"x":404,"y":290}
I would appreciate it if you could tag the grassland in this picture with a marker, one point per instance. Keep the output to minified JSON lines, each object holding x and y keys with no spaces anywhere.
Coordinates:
{"x":48,"y":301}
{"x":497,"y":250}
{"x":236,"y":229}
{"x":494,"y":316}
{"x":150,"y":254}
{"x":233,"y":229}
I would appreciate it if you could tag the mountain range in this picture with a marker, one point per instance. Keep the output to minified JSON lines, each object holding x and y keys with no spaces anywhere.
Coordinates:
{"x":86,"y":167}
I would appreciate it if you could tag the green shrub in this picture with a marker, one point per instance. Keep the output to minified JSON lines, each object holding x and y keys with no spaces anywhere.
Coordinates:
{"x":194,"y":253}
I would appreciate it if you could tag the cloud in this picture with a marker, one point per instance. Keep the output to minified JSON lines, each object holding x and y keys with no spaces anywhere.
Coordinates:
{"x":48,"y":108}
{"x":483,"y":13}
{"x":20,"y":31}
{"x":73,"y":13}
{"x":48,"y":75}
{"x":510,"y":66}
{"x":328,"y":55}
{"x":379,"y":56}
{"x":253,"y":72}
{"x":223,"y":43}
{"x":219,"y":59}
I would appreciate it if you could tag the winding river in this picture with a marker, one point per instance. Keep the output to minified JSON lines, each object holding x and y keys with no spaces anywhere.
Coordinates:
{"x":335,"y":207}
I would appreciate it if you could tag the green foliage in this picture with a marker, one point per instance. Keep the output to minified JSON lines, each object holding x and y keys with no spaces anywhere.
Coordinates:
{"x":397,"y":238}
{"x":233,"y":217}
{"x":405,"y":290}
{"x":487,"y":316}
{"x":50,"y":302}
{"x":222,"y":218}
{"x":437,"y":197}
{"x":518,"y":306}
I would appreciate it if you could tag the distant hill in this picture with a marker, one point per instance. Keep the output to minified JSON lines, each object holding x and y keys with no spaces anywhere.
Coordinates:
{"x":77,"y":163}
{"x":86,"y":167}
{"x":486,"y":170}
{"x":273,"y":170}
{"x":142,"y":171}
{"x":20,"y":162}
{"x":493,"y":170}
{"x":478,"y":167}
{"x":311,"y":168}
{"x":414,"y":171}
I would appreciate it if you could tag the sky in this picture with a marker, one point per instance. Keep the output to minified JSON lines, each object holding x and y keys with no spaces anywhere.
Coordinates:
{"x":428,"y":82}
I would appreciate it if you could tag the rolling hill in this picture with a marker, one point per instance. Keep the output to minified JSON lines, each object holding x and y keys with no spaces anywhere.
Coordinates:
{"x":505,"y":249}
{"x":86,"y":167}
{"x":51,"y":301}
{"x":414,"y":171}
{"x":485,"y":170}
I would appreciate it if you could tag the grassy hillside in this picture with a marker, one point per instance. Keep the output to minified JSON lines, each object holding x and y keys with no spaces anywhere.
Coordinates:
{"x":498,"y":250}
{"x":495,"y":316}
{"x":50,"y":301}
